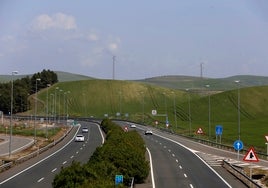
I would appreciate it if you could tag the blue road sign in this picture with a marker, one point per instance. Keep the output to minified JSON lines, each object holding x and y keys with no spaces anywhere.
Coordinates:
{"x":118,"y":179}
{"x":219,"y":130}
{"x":238,"y":145}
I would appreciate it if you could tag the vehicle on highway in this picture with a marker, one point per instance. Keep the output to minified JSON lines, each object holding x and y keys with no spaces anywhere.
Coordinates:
{"x":84,"y":130}
{"x":132,"y":126}
{"x":79,"y":138}
{"x":148,"y":132}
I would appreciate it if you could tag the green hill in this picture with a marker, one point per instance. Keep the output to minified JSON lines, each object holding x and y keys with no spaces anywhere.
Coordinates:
{"x":129,"y":100}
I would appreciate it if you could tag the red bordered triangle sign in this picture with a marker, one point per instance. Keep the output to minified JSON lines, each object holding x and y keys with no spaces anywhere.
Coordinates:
{"x":199,"y":131}
{"x":251,"y":156}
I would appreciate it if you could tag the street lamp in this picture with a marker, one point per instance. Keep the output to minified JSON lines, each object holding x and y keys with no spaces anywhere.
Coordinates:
{"x":48,"y":85}
{"x":35,"y":108}
{"x":59,"y":104}
{"x":174,"y":105}
{"x":51,"y":105}
{"x":55,"y":108}
{"x":238,"y":106}
{"x":67,"y":110}
{"x":166,"y":108}
{"x":11,"y":110}
{"x":209,"y":126}
{"x":189,"y":112}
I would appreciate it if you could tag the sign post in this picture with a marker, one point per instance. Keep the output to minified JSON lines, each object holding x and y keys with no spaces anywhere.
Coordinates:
{"x":238,"y":145}
{"x":118,"y":179}
{"x":218,"y":130}
{"x":251,"y":157}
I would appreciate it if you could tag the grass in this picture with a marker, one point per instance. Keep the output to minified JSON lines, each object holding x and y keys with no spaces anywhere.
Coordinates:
{"x":135,"y":101}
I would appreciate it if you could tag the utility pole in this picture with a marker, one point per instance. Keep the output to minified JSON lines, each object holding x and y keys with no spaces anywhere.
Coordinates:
{"x":201,"y":70}
{"x":114,"y":67}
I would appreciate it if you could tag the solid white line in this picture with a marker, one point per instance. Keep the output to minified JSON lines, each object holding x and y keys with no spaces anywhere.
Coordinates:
{"x":185,"y":175}
{"x":152,"y":170}
{"x":194,"y":152}
{"x":50,"y":155}
{"x":40,"y":160}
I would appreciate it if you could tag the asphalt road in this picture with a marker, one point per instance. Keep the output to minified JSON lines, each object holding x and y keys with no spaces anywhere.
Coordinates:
{"x":40,"y":173}
{"x":175,"y":166}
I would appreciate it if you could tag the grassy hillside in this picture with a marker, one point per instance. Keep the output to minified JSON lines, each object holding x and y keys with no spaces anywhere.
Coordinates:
{"x":197,"y":83}
{"x":130,"y":99}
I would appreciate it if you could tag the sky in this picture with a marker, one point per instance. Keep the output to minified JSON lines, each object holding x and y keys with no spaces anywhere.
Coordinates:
{"x":129,"y":40}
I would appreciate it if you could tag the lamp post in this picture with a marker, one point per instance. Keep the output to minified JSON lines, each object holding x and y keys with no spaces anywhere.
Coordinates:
{"x":59,"y":104}
{"x":55,"y":108}
{"x":52,"y":105}
{"x":174,"y":105}
{"x":67,"y":108}
{"x":238,"y":107}
{"x":11,"y":110}
{"x":209,"y":126}
{"x":166,"y":108}
{"x":48,"y":85}
{"x":189,"y":112}
{"x":35,"y":108}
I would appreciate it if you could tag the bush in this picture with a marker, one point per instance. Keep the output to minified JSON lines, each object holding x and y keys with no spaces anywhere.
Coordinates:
{"x":122,"y":153}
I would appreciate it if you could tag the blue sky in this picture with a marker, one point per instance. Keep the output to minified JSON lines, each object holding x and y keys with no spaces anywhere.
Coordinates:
{"x":148,"y":38}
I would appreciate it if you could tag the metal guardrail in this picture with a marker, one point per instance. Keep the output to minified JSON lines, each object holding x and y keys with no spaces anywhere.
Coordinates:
{"x":33,"y":154}
{"x":240,"y":175}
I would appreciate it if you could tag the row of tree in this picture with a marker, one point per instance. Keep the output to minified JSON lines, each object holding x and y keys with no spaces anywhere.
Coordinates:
{"x":123,"y":153}
{"x":22,"y":89}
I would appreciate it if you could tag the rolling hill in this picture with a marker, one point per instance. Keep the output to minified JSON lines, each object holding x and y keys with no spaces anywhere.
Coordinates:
{"x":132,"y":100}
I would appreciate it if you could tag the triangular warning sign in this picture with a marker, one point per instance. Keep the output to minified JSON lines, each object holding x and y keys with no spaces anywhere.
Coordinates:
{"x":200,"y":131}
{"x":251,"y":156}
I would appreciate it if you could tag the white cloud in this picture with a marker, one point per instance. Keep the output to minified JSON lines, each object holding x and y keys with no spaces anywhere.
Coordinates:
{"x":92,"y":37}
{"x":56,"y":21}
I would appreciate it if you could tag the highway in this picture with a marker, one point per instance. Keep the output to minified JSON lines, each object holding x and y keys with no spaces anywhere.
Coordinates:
{"x":41,"y":173}
{"x":175,"y":166}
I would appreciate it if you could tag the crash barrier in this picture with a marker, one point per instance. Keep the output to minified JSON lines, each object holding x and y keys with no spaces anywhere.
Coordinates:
{"x":8,"y":165}
{"x":240,"y":175}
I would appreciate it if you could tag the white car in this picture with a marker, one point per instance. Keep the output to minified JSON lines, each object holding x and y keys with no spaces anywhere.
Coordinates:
{"x":132,"y":126}
{"x":84,"y":130}
{"x":79,"y":138}
{"x":148,"y":132}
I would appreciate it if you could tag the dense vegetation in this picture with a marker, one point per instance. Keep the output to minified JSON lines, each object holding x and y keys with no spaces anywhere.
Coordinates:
{"x":22,"y":89}
{"x":123,"y":153}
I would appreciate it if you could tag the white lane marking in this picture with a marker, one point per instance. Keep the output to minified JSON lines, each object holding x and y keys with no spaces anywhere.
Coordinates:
{"x":64,"y":162}
{"x":191,"y":186}
{"x":169,"y":150}
{"x":54,"y":170}
{"x":71,"y":140}
{"x":81,"y":148}
{"x":180,"y":167}
{"x":41,"y":179}
{"x":194,"y":152}
{"x":165,"y":146}
{"x":185,"y":175}
{"x":72,"y":157}
{"x":173,"y":155}
{"x":177,"y":160}
{"x":77,"y":152}
{"x":152,"y":170}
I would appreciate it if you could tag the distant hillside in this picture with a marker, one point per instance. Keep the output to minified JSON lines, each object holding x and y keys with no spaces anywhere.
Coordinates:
{"x":215,"y":84}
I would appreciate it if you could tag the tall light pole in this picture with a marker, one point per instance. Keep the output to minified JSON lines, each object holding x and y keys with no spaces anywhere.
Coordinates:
{"x":209,"y":126}
{"x":55,"y":108}
{"x":35,"y":108}
{"x":59,"y":104}
{"x":52,"y":105}
{"x":175,"y":112}
{"x":189,"y":112}
{"x":167,"y":123}
{"x":67,"y":107}
{"x":48,"y":85}
{"x":11,"y":110}
{"x":238,"y":107}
